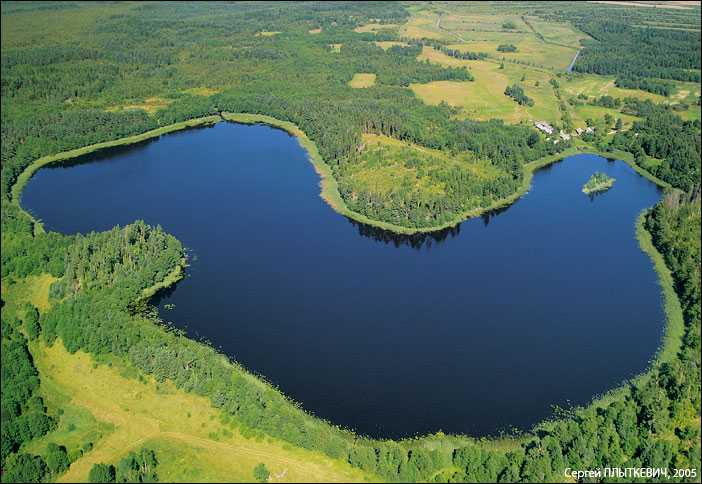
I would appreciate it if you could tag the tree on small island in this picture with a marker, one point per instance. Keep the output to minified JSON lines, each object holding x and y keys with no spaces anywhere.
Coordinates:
{"x":598,"y":182}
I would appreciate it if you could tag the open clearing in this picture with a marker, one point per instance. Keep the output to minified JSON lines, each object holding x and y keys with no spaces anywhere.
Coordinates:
{"x":543,"y":44}
{"x":592,"y":85}
{"x":361,"y":80}
{"x":484,"y":97}
{"x":530,"y":50}
{"x":387,"y":163}
{"x":424,"y":27}
{"x":202,"y":91}
{"x":150,"y":105}
{"x":596,"y":86}
{"x":374,"y":27}
{"x":385,"y":45}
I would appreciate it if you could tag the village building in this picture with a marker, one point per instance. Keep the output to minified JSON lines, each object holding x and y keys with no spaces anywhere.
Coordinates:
{"x":544,"y":126}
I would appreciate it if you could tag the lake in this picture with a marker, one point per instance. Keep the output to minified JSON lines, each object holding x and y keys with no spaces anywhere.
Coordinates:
{"x":477,"y":329}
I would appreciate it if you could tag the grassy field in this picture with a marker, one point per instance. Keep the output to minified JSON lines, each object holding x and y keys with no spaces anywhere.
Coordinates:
{"x":545,"y":49}
{"x":484,"y":97}
{"x":361,"y":80}
{"x":596,"y":86}
{"x":384,"y":163}
{"x":592,"y":85}
{"x":423,"y":27}
{"x":530,"y":50}
{"x":201,"y":91}
{"x":581,"y":113}
{"x":388,"y":165}
{"x":386,"y":44}
{"x":150,"y":105}
{"x":33,"y":289}
{"x":374,"y":27}
{"x":557,"y":33}
{"x":543,"y":44}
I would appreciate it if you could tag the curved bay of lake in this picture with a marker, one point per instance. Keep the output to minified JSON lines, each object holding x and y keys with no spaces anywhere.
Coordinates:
{"x":474,"y":330}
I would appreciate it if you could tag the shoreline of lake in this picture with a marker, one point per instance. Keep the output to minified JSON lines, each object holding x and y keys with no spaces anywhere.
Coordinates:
{"x":328,"y":185}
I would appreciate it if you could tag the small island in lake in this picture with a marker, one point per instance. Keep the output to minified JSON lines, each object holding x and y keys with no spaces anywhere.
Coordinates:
{"x":598,"y":182}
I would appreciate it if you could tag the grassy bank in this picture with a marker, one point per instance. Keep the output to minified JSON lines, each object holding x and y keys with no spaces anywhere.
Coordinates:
{"x":627,"y":158}
{"x":674,"y":323}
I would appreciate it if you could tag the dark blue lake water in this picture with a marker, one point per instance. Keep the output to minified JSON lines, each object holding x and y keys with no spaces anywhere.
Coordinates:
{"x":473,"y":330}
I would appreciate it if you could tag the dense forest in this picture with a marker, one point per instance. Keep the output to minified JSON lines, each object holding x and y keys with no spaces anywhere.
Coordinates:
{"x":663,"y":135}
{"x":655,"y":86}
{"x":62,"y":96}
{"x":631,"y":44}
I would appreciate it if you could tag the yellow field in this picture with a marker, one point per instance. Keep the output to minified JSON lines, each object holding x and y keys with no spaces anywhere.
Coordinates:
{"x":545,"y":49}
{"x":202,"y":91}
{"x":564,"y":34}
{"x":475,"y":101}
{"x":530,"y":50}
{"x":423,"y":27}
{"x":388,"y":175}
{"x":484,"y":97}
{"x":464,"y":21}
{"x":483,"y":32}
{"x":592,"y":85}
{"x":33,"y":289}
{"x":265,"y":33}
{"x":150,"y":105}
{"x":374,"y":27}
{"x":361,"y":80}
{"x":385,"y":45}
{"x":315,"y":31}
